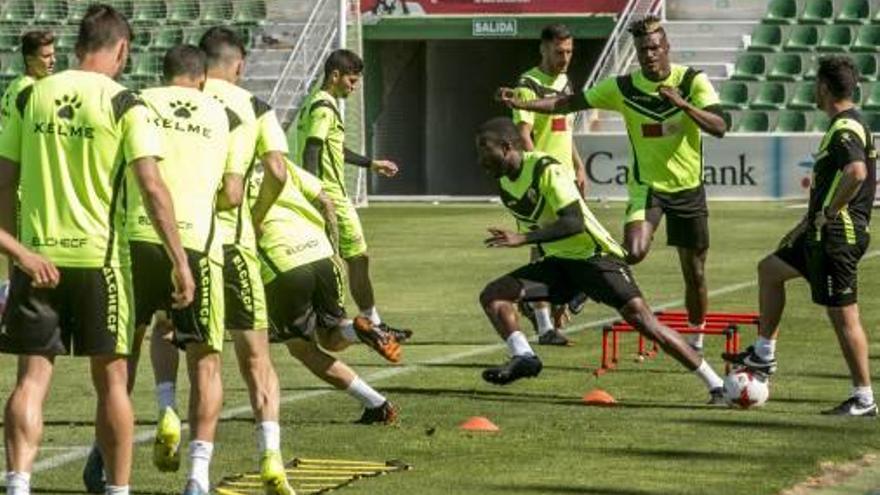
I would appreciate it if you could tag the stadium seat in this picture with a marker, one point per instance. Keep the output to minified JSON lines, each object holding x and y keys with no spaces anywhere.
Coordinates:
{"x":821,"y":121}
{"x":781,"y":12}
{"x":786,"y":67}
{"x":166,"y":38}
{"x":817,"y":12}
{"x":52,"y":12}
{"x":734,"y":95}
{"x":791,"y":121}
{"x":835,"y":39}
{"x":770,"y":96}
{"x":65,"y":41}
{"x":249,"y":12}
{"x":867,"y":65}
{"x":216,"y":12}
{"x":63,"y":61}
{"x":753,"y":122}
{"x":728,"y":119}
{"x":246,"y":34}
{"x":801,"y":39}
{"x":811,"y":64}
{"x":873,"y":119}
{"x":867,"y":40}
{"x":803,"y":97}
{"x":749,"y":67}
{"x":75,"y":10}
{"x":853,"y":12}
{"x":13,"y":64}
{"x":192,"y":35}
{"x":766,"y":38}
{"x":145,"y":65}
{"x":9,"y":41}
{"x":183,"y":11}
{"x":17,"y":11}
{"x":872,"y":97}
{"x":142,"y":40}
{"x":149,"y":12}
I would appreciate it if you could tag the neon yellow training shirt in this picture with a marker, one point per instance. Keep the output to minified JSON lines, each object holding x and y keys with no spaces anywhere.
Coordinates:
{"x":550,"y":133}
{"x":320,"y":118}
{"x":7,"y":101}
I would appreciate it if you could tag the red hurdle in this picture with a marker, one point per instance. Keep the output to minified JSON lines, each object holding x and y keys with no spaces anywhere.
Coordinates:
{"x":719,"y":323}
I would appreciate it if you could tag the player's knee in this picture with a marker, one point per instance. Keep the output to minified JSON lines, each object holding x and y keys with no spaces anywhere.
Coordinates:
{"x":767,"y":269}
{"x":502,"y":290}
{"x":332,"y":341}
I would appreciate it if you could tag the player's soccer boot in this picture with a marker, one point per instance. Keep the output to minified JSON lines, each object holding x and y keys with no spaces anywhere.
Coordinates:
{"x":384,"y":344}
{"x":93,"y":475}
{"x":853,"y":407}
{"x":193,"y":488}
{"x":166,"y":448}
{"x":518,"y":367}
{"x":577,"y":303}
{"x":749,"y":359}
{"x":385,"y":414}
{"x":400,"y":334}
{"x":716,"y":397}
{"x":554,"y":337}
{"x":273,"y":474}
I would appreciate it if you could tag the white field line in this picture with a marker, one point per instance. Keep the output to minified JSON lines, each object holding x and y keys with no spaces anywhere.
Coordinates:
{"x":59,"y":460}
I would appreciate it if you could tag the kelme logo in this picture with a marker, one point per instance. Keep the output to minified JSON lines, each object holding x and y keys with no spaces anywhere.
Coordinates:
{"x":183,"y":109}
{"x":67,"y":106}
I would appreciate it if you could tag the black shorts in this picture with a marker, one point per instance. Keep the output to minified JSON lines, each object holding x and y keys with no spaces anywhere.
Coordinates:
{"x":831,"y":268}
{"x":304,"y":299}
{"x":151,"y":279}
{"x":243,"y":289}
{"x":604,"y":279}
{"x":687,"y":215}
{"x":87,"y":314}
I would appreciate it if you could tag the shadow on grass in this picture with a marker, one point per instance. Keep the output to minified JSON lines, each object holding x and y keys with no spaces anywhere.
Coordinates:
{"x":687,"y":455}
{"x":452,"y":343}
{"x":488,"y":395}
{"x":832,"y":425}
{"x":68,"y":490}
{"x":559,"y":488}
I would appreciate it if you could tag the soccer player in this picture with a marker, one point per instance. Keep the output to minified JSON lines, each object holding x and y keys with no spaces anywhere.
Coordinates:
{"x":665,"y":107}
{"x":38,"y":50}
{"x":304,"y":292}
{"x":579,"y":256}
{"x":67,"y":145}
{"x":321,"y":150}
{"x":826,"y":246}
{"x":551,"y":134}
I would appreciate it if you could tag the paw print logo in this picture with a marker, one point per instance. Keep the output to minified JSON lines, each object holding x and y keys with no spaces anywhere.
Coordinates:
{"x":183,"y":109}
{"x":67,"y":106}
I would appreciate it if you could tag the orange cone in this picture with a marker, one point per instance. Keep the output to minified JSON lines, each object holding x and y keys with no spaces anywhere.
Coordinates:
{"x":479,"y":423}
{"x":598,"y":397}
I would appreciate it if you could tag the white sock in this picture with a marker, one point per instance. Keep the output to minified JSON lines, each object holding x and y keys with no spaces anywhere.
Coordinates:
{"x":166,"y":395}
{"x":366,"y":394}
{"x":348,"y":332}
{"x":864,"y":394}
{"x":116,"y":490}
{"x":543,"y":319}
{"x":765,"y":348}
{"x":269,"y":436}
{"x":696,"y":339}
{"x":519,"y":345}
{"x":708,"y":375}
{"x":200,"y":462}
{"x":373,"y":315}
{"x":18,"y":483}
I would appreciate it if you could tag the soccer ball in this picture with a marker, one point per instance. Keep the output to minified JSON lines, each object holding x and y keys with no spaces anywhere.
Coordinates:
{"x":745,"y":389}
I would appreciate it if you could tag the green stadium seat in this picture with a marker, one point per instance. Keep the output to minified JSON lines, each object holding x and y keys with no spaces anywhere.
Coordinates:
{"x":63,"y":62}
{"x":17,"y":11}
{"x":801,"y":39}
{"x":192,"y":35}
{"x":249,"y":12}
{"x":52,"y":12}
{"x":246,"y":34}
{"x":803,"y":97}
{"x":835,"y":39}
{"x":781,"y":12}
{"x":65,"y":41}
{"x":145,"y":65}
{"x":9,"y":40}
{"x":734,"y":95}
{"x":749,"y":67}
{"x":76,"y":9}
{"x":183,"y":11}
{"x":786,"y":67}
{"x":142,"y":40}
{"x":811,"y":64}
{"x":867,"y":65}
{"x":753,"y":122}
{"x":821,"y":121}
{"x":770,"y":96}
{"x":13,"y":64}
{"x":868,"y":39}
{"x":216,"y":11}
{"x":873,"y":120}
{"x":166,"y":38}
{"x":872,"y":97}
{"x":853,"y":12}
{"x":791,"y":121}
{"x":150,"y":12}
{"x":728,"y":119}
{"x":817,"y":12}
{"x":766,"y":38}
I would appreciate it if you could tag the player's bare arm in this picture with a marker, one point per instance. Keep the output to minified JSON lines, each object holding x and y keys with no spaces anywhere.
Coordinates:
{"x":231,"y":193}
{"x":854,"y":174}
{"x":323,"y":203}
{"x":580,"y":171}
{"x":560,"y":104}
{"x":273,"y":182}
{"x":569,"y":223}
{"x":160,"y":209}
{"x":709,"y":119}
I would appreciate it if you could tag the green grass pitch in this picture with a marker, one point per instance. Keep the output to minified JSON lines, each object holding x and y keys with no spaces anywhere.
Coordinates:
{"x":429,"y":265}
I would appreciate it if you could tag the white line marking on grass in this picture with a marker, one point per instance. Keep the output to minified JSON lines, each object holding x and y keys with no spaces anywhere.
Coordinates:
{"x":147,"y":435}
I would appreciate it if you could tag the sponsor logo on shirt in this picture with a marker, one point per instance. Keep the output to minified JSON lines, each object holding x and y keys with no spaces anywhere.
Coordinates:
{"x":559,"y":124}
{"x":64,"y":242}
